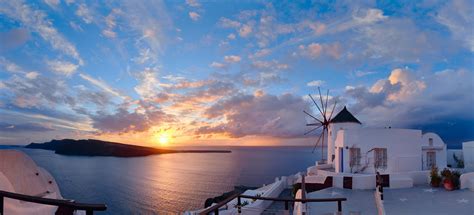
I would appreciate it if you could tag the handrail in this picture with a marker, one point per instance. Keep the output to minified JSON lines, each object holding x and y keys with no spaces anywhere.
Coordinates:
{"x":216,"y":207}
{"x":61,"y":203}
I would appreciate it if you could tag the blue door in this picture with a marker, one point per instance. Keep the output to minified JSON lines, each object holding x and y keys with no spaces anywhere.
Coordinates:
{"x":341,"y":155}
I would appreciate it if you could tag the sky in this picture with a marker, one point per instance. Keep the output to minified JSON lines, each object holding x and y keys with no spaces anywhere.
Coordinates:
{"x":231,"y":72}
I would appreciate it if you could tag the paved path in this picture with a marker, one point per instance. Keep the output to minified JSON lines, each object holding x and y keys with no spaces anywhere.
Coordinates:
{"x":358,"y":202}
{"x":427,"y":200}
{"x":277,"y":208}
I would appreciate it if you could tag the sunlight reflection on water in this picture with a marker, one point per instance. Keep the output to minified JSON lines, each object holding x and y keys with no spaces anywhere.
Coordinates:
{"x":169,"y":182}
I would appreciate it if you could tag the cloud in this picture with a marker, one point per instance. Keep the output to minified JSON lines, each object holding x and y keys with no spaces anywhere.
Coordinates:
{"x":315,"y":50}
{"x":102,"y":85}
{"x":111,"y":23}
{"x":150,"y":20}
{"x":458,"y":17}
{"x":123,"y":121}
{"x":232,"y":59}
{"x":13,"y":39}
{"x":31,"y":75}
{"x":35,"y":21}
{"x":193,"y":3}
{"x":27,"y":127}
{"x":52,"y":3}
{"x":40,"y":91}
{"x":194,"y":16}
{"x":228,"y":23}
{"x":62,"y":67}
{"x":10,"y":66}
{"x":84,"y":13}
{"x":261,"y":115}
{"x":407,"y":100}
{"x":272,"y":66}
{"x":368,"y":16}
{"x":231,"y":36}
{"x":149,"y":85}
{"x":245,"y":31}
{"x":315,"y":83}
{"x":217,"y":65}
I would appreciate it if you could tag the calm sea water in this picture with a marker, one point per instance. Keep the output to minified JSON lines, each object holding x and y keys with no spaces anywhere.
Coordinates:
{"x":168,"y":183}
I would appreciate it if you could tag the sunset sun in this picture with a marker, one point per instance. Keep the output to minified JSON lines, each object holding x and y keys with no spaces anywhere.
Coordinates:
{"x":162,"y":137}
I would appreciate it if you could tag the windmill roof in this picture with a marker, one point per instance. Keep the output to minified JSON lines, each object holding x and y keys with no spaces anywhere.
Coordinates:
{"x":345,"y":116}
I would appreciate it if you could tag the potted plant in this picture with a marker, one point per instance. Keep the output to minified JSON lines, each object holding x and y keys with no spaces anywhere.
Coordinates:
{"x":456,"y":175}
{"x":448,"y":181}
{"x":435,"y":177}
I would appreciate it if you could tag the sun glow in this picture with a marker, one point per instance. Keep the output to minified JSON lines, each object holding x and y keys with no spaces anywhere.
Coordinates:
{"x":163,"y":137}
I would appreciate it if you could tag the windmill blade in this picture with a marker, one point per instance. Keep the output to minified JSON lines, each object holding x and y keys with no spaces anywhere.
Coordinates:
{"x":315,"y":103}
{"x":314,"y":129}
{"x":315,"y":145}
{"x":327,"y":96}
{"x":312,"y":116}
{"x":313,"y":124}
{"x":322,"y":104}
{"x":330,"y":116}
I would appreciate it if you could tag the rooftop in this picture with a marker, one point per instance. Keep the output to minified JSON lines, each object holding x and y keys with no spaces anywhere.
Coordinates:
{"x":345,"y":116}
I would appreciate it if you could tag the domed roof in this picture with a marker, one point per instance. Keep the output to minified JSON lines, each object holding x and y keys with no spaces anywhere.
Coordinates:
{"x":345,"y":116}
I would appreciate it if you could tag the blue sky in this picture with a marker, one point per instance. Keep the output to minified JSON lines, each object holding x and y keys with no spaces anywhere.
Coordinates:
{"x":229,"y":72}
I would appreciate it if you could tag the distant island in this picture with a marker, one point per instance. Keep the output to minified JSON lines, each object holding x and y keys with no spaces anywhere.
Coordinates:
{"x":91,"y":147}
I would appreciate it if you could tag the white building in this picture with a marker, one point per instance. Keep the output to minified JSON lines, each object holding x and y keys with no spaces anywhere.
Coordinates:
{"x":353,"y":149}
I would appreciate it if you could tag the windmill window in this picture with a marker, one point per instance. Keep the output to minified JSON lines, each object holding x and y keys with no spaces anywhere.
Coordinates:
{"x":354,"y":154}
{"x":380,"y":156}
{"x":430,"y":141}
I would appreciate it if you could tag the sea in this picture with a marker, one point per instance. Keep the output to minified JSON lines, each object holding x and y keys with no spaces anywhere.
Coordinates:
{"x":169,"y":183}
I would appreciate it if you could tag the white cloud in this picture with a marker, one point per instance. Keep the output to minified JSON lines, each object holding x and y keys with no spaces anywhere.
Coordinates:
{"x":193,"y":3}
{"x":368,"y":16}
{"x":217,"y":65}
{"x":35,"y":20}
{"x":260,"y":53}
{"x":245,"y":31}
{"x":10,"y":66}
{"x":458,"y":17}
{"x":31,"y":75}
{"x":102,"y":85}
{"x":232,"y":59}
{"x":231,"y":36}
{"x":149,"y":85}
{"x":110,"y":22}
{"x":85,"y":14}
{"x":228,"y":23}
{"x":315,"y":83}
{"x":109,"y":33}
{"x":62,"y":67}
{"x":194,"y":16}
{"x":52,"y":3}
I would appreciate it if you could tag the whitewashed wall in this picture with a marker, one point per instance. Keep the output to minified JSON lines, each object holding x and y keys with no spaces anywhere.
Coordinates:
{"x":403,"y":148}
{"x":441,"y":155}
{"x":468,"y":155}
{"x":332,"y":131}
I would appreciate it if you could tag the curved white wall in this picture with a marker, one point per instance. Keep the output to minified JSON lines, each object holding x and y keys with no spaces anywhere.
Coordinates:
{"x":438,"y":146}
{"x":333,"y":129}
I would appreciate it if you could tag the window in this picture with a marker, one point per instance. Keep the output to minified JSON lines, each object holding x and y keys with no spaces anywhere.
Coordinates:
{"x":380,"y":160}
{"x":430,"y":159}
{"x":354,"y":154}
{"x":430,"y":141}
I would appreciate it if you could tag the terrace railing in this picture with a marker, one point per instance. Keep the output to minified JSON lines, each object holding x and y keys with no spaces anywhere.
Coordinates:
{"x":215,"y":209}
{"x":65,"y":207}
